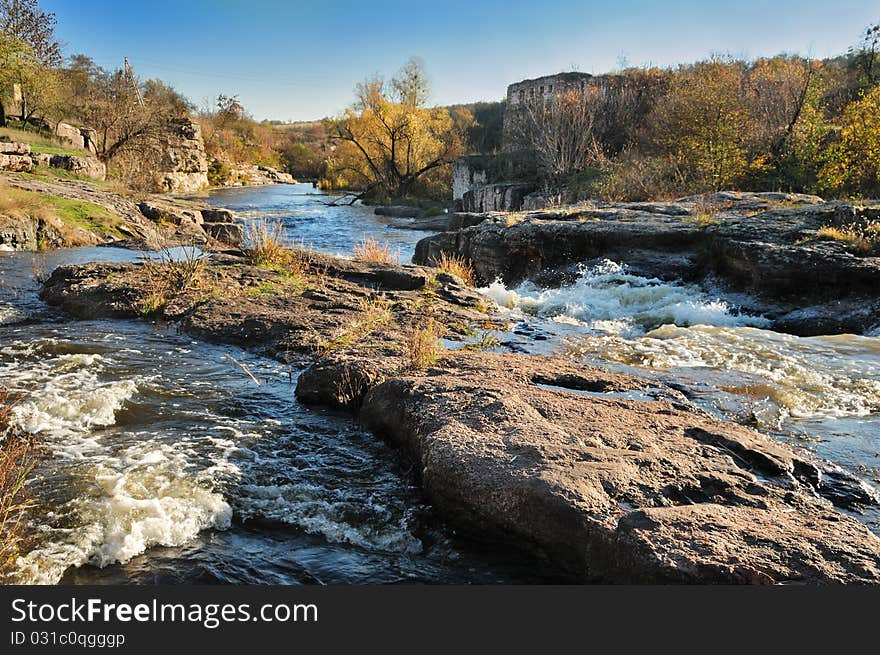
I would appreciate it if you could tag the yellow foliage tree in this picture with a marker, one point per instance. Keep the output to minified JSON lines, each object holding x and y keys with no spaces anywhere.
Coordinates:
{"x":853,"y":162}
{"x":387,"y":142}
{"x":701,"y":125}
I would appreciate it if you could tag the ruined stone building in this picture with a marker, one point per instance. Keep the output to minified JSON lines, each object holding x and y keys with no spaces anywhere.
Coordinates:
{"x":503,"y":183}
{"x":531,"y":93}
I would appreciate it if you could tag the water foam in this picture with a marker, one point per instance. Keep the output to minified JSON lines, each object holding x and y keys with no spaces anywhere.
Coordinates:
{"x":114,"y":501}
{"x":649,"y":323}
{"x":608,"y":298}
{"x":819,"y":377}
{"x":334,"y":514}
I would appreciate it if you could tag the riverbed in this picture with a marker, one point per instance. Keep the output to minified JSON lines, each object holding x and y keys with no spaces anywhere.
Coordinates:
{"x":166,"y":463}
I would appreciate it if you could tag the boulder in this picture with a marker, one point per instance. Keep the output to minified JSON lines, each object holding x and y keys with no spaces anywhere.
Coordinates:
{"x":78,"y":137}
{"x":217,"y":215}
{"x":231,"y":233}
{"x":251,"y":175}
{"x":611,"y":479}
{"x":439,"y":223}
{"x":82,"y":166}
{"x":16,"y":163}
{"x":160,"y":211}
{"x":397,"y":211}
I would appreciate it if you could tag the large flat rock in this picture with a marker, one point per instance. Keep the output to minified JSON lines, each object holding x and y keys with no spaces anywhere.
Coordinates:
{"x":587,"y":470}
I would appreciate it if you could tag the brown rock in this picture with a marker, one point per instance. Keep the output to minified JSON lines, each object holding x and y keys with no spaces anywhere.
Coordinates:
{"x":608,"y":485}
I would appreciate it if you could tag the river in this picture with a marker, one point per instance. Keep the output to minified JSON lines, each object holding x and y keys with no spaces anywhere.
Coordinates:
{"x":164,"y":463}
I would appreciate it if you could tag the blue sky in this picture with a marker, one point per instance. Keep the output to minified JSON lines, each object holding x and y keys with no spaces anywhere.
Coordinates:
{"x":300,"y":60}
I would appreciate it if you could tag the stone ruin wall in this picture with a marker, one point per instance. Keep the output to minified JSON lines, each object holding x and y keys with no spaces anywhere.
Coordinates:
{"x":521,"y":95}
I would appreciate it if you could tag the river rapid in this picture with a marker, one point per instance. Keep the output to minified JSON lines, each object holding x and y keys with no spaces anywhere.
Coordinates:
{"x":165,"y":463}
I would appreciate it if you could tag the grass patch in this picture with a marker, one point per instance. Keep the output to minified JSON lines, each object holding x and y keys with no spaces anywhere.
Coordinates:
{"x":457,"y":266}
{"x":861,"y":239}
{"x":18,"y":203}
{"x":370,"y":250}
{"x":423,"y":345}
{"x":265,"y":244}
{"x":47,"y":174}
{"x":87,"y":215}
{"x":488,"y":341}
{"x":375,"y":312}
{"x":169,"y":276}
{"x":702,"y":219}
{"x":267,"y":248}
{"x":40,"y":143}
{"x":264,"y":289}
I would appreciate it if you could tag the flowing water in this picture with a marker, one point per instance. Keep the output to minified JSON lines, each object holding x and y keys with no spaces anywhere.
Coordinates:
{"x":165,"y":463}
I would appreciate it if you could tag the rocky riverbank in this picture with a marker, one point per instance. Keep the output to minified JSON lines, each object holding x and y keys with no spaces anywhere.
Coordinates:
{"x":607,"y":477}
{"x":48,"y":212}
{"x":813,"y":267}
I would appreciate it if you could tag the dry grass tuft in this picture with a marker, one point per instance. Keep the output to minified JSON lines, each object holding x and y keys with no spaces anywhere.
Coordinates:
{"x":375,"y":311}
{"x":370,"y":250}
{"x":456,"y":265}
{"x":862,"y":239}
{"x":21,"y":204}
{"x":424,"y":347}
{"x":170,"y":275}
{"x":17,"y":459}
{"x":266,"y":244}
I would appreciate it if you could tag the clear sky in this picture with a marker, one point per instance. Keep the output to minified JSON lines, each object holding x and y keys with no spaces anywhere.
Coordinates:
{"x":300,"y":60}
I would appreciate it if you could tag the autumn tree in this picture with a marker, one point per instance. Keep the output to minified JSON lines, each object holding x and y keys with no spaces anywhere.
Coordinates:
{"x":232,"y":136}
{"x":701,"y":125}
{"x":853,"y":161}
{"x":388,"y":141}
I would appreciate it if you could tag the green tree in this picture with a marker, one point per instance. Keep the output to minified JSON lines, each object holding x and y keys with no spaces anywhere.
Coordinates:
{"x":24,"y":21}
{"x":16,"y":61}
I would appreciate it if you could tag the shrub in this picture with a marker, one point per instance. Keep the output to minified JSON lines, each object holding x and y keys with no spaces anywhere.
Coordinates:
{"x":169,"y":275}
{"x":219,"y":173}
{"x":265,"y":243}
